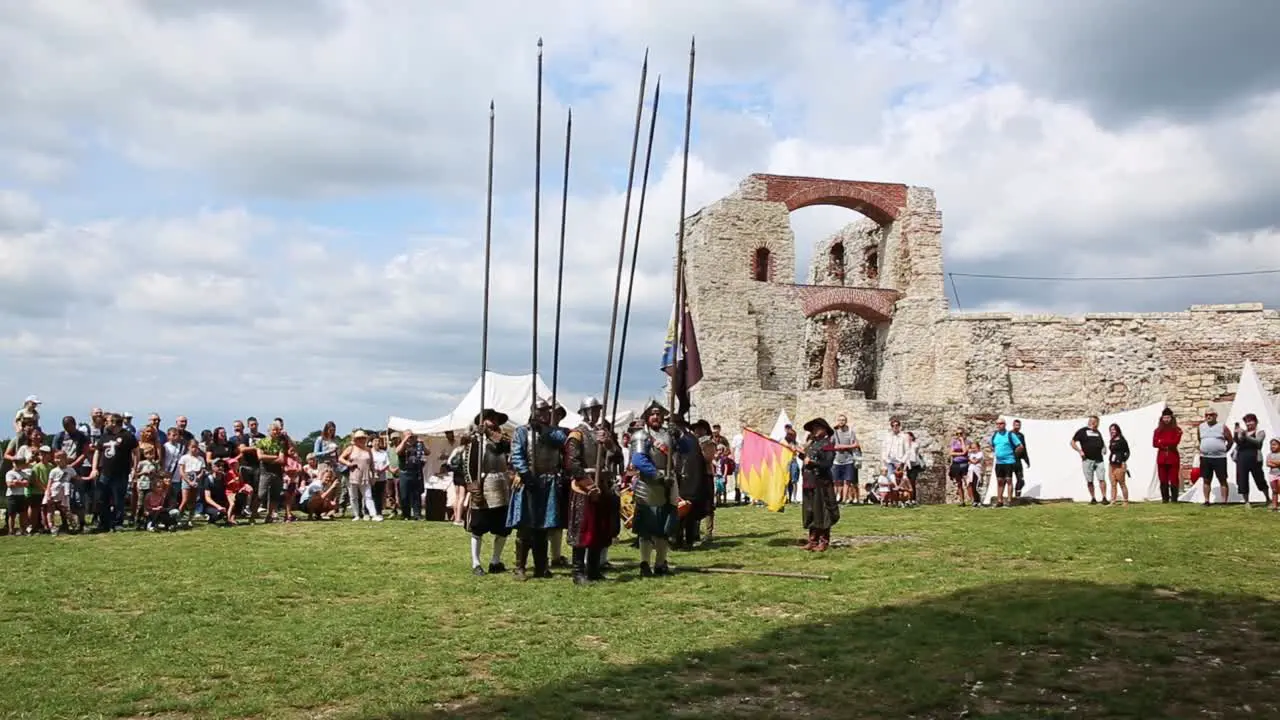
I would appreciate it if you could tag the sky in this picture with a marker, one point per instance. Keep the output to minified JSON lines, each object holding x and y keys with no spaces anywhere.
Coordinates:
{"x":276,"y":207}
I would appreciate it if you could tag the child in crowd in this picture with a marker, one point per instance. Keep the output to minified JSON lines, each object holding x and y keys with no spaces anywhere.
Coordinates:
{"x":293,"y":479}
{"x":57,"y":494}
{"x":976,"y":463}
{"x":191,"y":469}
{"x":15,"y":482}
{"x":41,"y":464}
{"x":1273,"y":472}
{"x":239,"y":493}
{"x":722,"y":482}
{"x":160,"y":516}
{"x":173,"y":452}
{"x":146,"y":474}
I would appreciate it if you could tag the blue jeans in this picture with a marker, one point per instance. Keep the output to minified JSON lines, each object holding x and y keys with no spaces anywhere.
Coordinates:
{"x":794,"y":472}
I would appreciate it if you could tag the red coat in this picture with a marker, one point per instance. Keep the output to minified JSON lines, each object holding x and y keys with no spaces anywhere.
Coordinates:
{"x":1165,"y":441}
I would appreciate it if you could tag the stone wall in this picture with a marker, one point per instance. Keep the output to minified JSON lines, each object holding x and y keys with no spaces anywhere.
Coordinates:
{"x":934,"y":370}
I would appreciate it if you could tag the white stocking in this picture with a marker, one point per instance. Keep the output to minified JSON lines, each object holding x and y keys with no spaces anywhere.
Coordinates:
{"x":604,"y":556}
{"x":662,"y":547}
{"x":498,"y":543}
{"x":475,"y":551}
{"x":557,"y":543}
{"x":646,"y":550}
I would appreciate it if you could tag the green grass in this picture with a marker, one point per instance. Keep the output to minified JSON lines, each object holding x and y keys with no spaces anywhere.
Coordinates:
{"x":1052,"y":611}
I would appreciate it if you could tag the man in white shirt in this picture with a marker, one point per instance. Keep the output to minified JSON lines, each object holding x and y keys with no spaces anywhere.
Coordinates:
{"x":895,"y":448}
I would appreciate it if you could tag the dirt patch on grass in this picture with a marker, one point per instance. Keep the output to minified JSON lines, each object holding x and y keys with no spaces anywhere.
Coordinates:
{"x":860,"y":540}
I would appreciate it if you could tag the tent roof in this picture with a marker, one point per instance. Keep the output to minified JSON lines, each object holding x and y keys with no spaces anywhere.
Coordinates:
{"x":510,"y":394}
{"x":780,"y":427}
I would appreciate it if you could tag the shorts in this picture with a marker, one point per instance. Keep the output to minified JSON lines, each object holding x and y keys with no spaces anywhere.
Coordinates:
{"x":1004,"y":471}
{"x":1213,"y":466}
{"x":482,"y":521}
{"x":17,"y":504}
{"x":270,"y":484}
{"x":958,"y":470}
{"x":844,"y":474}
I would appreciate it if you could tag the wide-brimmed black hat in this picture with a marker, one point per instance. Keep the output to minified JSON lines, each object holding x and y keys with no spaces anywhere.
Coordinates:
{"x":816,"y":423}
{"x":702,"y":425}
{"x":496,"y":417}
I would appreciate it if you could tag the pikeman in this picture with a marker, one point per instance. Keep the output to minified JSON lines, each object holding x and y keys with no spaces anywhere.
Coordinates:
{"x":593,"y":503}
{"x":488,"y":486}
{"x":555,"y":536}
{"x":536,"y":456}
{"x":655,"y":493}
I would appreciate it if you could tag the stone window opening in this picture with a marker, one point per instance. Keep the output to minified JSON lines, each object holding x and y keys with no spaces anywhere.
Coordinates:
{"x":760,"y":265}
{"x":836,"y":261}
{"x":871,"y":264}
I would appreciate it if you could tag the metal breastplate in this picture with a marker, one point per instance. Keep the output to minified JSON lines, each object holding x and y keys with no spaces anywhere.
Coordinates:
{"x":544,"y":457}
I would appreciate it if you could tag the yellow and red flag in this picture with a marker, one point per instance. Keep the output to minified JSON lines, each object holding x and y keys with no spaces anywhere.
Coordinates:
{"x":764,"y":469}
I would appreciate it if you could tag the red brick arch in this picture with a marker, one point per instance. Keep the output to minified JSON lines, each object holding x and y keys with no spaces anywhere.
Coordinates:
{"x":879,"y":201}
{"x":872,"y":304}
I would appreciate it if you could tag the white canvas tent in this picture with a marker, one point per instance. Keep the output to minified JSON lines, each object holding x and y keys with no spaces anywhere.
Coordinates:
{"x":779,"y":431}
{"x":510,"y":394}
{"x":1055,"y":473}
{"x":1251,"y":397}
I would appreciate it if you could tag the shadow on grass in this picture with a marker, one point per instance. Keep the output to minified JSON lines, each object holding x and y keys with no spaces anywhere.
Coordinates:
{"x":1031,"y":649}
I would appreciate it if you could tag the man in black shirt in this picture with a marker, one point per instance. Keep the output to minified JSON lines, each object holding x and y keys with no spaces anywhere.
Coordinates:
{"x":1090,"y":445}
{"x":114,"y":455}
{"x":75,"y":445}
{"x":1021,"y":455}
{"x":248,"y":468}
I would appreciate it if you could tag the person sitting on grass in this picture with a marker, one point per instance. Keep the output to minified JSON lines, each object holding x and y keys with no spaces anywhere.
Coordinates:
{"x":217,"y":504}
{"x":888,"y":486}
{"x":317,"y":498}
{"x":57,"y":494}
{"x":239,"y":493}
{"x":160,"y":516}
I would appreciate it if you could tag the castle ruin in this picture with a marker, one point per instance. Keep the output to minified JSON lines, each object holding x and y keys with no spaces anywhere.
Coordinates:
{"x":872,"y":335}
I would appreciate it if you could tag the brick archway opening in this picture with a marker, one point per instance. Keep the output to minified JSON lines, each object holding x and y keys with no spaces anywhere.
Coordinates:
{"x":882,"y":202}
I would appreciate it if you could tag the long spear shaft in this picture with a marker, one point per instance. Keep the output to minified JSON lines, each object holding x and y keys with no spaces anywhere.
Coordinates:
{"x":564,"y":216}
{"x":684,"y":194}
{"x":488,"y":256}
{"x":622,"y":250}
{"x":635,"y":252}
{"x":537,"y":226}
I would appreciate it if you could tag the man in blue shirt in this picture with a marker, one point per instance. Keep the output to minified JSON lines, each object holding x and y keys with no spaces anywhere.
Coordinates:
{"x":1003,"y":447}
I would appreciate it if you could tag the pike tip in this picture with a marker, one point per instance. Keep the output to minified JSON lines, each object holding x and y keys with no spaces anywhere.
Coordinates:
{"x":539,"y":43}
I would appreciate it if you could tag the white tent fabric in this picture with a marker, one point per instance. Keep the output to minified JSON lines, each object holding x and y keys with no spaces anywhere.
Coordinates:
{"x":1055,"y":473}
{"x":1251,"y":397}
{"x":510,"y":394}
{"x":779,"y":431}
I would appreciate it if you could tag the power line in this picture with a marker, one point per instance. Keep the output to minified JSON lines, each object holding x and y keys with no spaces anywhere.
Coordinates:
{"x":1114,"y":278}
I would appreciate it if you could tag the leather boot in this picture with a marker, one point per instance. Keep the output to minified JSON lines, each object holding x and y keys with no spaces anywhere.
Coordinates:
{"x":824,"y":541}
{"x":813,"y":541}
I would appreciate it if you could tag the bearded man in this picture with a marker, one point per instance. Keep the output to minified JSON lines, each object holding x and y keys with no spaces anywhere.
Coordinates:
{"x":537,"y":457}
{"x":652,"y":449}
{"x":482,"y":464}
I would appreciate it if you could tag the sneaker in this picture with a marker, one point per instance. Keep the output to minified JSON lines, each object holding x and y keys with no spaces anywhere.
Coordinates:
{"x":377,"y":518}
{"x":1106,"y":501}
{"x":1093,"y":501}
{"x":477,"y":571}
{"x":355,"y":519}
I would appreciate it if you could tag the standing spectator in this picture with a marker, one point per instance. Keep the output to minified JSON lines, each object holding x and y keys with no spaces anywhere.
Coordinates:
{"x":977,"y":468}
{"x":15,"y":481}
{"x":184,"y":434}
{"x":326,"y":450}
{"x":793,"y":470}
{"x":844,"y":469}
{"x":115,"y":455}
{"x":1022,"y":456}
{"x":895,"y":448}
{"x":1165,"y":440}
{"x":1215,"y":443}
{"x":1119,"y":459}
{"x":128,"y":424}
{"x":1250,"y":441}
{"x":381,"y":464}
{"x":358,"y":459}
{"x":171,"y":454}
{"x":79,"y":452}
{"x":1273,"y":471}
{"x":1004,"y":445}
{"x":153,"y":422}
{"x":273,"y":453}
{"x":413,"y":461}
{"x":250,"y":464}
{"x":915,"y":465}
{"x":958,"y":468}
{"x":28,"y":414}
{"x":191,"y":468}
{"x":1089,"y":445}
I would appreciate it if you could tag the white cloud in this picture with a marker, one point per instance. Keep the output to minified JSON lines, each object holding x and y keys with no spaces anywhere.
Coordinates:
{"x":227,"y":297}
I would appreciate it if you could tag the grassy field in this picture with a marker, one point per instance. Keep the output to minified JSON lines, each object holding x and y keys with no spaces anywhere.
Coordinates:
{"x":937,"y":612}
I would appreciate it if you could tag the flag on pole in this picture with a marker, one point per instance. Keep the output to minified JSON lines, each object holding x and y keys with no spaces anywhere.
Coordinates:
{"x":764,"y":469}
{"x":683,"y":364}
